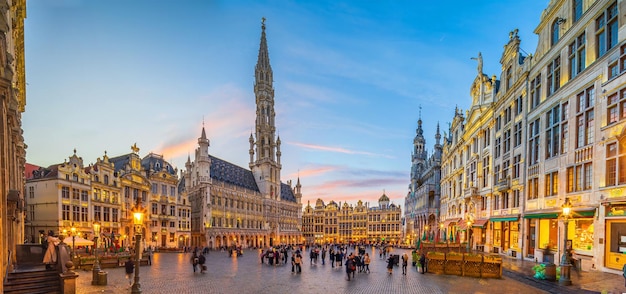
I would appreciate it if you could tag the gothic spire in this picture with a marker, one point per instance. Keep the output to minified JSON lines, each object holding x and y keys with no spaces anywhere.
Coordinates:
{"x":263,"y":70}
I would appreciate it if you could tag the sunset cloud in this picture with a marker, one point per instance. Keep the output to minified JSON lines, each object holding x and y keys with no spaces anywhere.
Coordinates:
{"x":335,"y":149}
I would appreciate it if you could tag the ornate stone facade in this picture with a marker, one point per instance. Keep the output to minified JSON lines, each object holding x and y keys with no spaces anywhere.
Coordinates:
{"x":421,"y":205}
{"x":337,"y":223}
{"x":12,"y":147}
{"x":231,"y":205}
{"x":71,"y":194}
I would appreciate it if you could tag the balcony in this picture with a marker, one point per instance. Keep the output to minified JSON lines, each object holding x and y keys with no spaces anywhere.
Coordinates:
{"x":470,"y":192}
{"x":583,"y":154}
{"x":503,"y":184}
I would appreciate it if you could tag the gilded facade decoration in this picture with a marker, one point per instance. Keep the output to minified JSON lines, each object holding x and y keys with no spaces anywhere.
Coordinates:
{"x":344,"y":223}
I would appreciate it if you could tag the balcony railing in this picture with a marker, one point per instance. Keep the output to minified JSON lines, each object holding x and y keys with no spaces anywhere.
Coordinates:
{"x":503,"y":184}
{"x":583,"y":154}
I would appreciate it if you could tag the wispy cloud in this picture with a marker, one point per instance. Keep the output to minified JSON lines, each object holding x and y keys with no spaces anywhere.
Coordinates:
{"x":336,"y":149}
{"x":314,"y":171}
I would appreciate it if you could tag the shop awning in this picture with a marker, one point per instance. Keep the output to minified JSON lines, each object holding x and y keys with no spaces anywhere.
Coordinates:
{"x":480,"y":223}
{"x":462,"y":226}
{"x":504,"y":219}
{"x":542,"y":215}
{"x":447,"y":223}
{"x":577,"y":212}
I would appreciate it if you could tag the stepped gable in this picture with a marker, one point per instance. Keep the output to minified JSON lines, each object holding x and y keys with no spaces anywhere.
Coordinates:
{"x":232,"y":174}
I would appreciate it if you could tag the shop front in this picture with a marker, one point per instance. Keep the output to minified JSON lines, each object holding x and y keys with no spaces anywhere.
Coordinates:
{"x":505,"y":235}
{"x":545,"y":242}
{"x":615,"y":249}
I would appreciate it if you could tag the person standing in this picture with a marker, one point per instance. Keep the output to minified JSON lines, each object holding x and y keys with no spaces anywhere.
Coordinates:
{"x":50,"y":257}
{"x":423,"y":262}
{"x":149,"y":254}
{"x":405,"y":262}
{"x":298,"y":262}
{"x":130,"y":269}
{"x":323,"y":255}
{"x":390,"y":264}
{"x":414,"y":258}
{"x":332,"y":257}
{"x":201,"y":261}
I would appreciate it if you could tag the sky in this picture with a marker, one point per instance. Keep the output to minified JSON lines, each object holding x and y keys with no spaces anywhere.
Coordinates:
{"x":351,"y":80}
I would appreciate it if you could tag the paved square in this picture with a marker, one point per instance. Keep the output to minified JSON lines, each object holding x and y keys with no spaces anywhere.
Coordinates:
{"x":172,"y":273}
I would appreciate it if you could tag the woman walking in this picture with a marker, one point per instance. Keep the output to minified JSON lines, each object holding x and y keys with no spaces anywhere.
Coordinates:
{"x":366,"y":261}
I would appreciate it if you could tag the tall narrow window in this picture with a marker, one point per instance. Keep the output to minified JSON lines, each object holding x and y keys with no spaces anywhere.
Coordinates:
{"x":585,"y":117}
{"x":577,"y":7}
{"x":576,"y":56}
{"x":554,"y":76}
{"x":552,"y":132}
{"x":555,"y":31}
{"x":606,"y":30}
{"x":535,"y":92}
{"x":533,"y":142}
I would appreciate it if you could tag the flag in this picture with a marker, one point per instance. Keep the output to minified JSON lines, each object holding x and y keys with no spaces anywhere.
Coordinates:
{"x":424,"y":237}
{"x":445,"y":237}
{"x":419,"y":244}
{"x":451,"y":237}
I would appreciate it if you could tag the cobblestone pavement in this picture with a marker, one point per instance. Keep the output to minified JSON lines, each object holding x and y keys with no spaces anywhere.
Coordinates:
{"x":172,"y":273}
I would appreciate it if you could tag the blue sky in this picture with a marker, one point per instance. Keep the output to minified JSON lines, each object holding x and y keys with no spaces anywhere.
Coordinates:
{"x":349,"y":78}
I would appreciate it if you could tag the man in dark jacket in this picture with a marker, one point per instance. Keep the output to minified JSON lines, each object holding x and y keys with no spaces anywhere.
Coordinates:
{"x":130,"y":268}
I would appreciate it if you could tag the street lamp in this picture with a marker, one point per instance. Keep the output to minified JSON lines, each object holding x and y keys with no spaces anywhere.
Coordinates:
{"x":440,"y":231}
{"x":565,"y":264}
{"x":469,"y":235}
{"x":96,"y":263}
{"x":138,"y":214}
{"x":73,"y":229}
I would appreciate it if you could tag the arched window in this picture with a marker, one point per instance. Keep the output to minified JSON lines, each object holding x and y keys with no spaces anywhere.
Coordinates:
{"x":106,"y":179}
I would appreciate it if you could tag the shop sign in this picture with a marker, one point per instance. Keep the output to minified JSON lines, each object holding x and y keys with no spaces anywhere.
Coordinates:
{"x":617,"y":210}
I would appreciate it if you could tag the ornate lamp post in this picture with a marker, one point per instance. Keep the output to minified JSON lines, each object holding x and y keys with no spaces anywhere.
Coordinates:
{"x":469,"y":235}
{"x":96,"y":263}
{"x":440,"y":231}
{"x":565,"y":265}
{"x":73,"y":229}
{"x":138,"y":214}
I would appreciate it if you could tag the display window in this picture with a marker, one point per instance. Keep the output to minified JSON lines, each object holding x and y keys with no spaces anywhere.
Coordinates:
{"x":548,"y":233}
{"x":580,"y":231}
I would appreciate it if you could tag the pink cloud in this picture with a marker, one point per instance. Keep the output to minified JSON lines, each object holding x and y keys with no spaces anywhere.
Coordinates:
{"x":335,"y":149}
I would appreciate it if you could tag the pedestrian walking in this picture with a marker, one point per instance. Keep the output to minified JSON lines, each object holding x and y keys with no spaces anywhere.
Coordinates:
{"x":350,"y":267}
{"x":423,"y":262}
{"x":332,"y":257}
{"x":405,"y":262}
{"x":194,"y":261}
{"x":366,"y":261}
{"x":390,"y":264}
{"x":130,"y":269}
{"x":323,"y":255}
